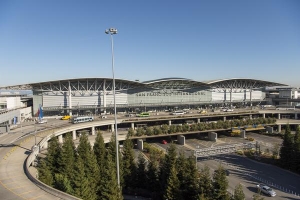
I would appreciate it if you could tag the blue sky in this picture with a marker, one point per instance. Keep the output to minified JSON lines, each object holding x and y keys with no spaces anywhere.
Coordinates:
{"x":194,"y":39}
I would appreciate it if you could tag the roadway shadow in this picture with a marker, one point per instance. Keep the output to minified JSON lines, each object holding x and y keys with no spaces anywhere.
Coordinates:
{"x":7,"y":145}
{"x":253,"y":189}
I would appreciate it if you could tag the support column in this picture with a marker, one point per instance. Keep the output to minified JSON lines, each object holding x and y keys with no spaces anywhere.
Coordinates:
{"x":181,"y":139}
{"x":70,"y":99}
{"x":74,"y":134}
{"x":104,"y":96}
{"x":231,"y":98}
{"x":296,"y":116}
{"x":198,"y":120}
{"x":251,"y":98}
{"x":132,"y":125}
{"x":250,"y":116}
{"x":170,"y":123}
{"x":279,"y":128}
{"x":243,"y":134}
{"x":278,"y":115}
{"x":140,"y":144}
{"x":264,"y":115}
{"x":60,"y":139}
{"x":93,"y":130}
{"x":112,"y":127}
{"x":224,"y":118}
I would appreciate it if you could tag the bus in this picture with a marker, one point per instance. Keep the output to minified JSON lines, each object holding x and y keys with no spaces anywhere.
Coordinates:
{"x":143,"y":114}
{"x":76,"y":120}
{"x":178,"y":112}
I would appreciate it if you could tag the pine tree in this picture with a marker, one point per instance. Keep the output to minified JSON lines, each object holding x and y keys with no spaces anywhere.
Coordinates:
{"x":296,"y":156}
{"x":239,"y":193}
{"x":190,"y":187}
{"x":172,"y":189}
{"x":167,"y":163}
{"x":52,"y":155}
{"x":81,"y":184}
{"x":220,"y":184}
{"x":205,"y":183}
{"x":99,"y":150}
{"x":90,"y":162}
{"x":152,"y":175}
{"x":141,"y":171}
{"x":129,"y":166}
{"x":109,"y":189}
{"x":286,"y":150}
{"x":44,"y":173}
{"x":66,"y":157}
{"x":62,"y":183}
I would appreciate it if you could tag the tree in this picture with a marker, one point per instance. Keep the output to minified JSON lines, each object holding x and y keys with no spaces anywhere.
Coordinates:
{"x":220,"y":184}
{"x":44,"y":173}
{"x":239,"y":193}
{"x":257,"y":197}
{"x":152,"y":175}
{"x":205,"y":183}
{"x":66,"y":157}
{"x":286,"y":151}
{"x":129,"y":166}
{"x":52,"y":155}
{"x":172,"y":189}
{"x":109,"y":188}
{"x":130,"y":132}
{"x":141,"y":181}
{"x":99,"y":150}
{"x":296,"y":148}
{"x":62,"y":183}
{"x":190,"y":182}
{"x":81,"y":183}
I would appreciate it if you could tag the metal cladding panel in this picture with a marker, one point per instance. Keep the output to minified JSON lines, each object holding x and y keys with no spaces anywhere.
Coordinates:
{"x":218,"y":96}
{"x":256,"y":95}
{"x":121,"y":98}
{"x":238,"y":96}
{"x":55,"y":100}
{"x":85,"y":101}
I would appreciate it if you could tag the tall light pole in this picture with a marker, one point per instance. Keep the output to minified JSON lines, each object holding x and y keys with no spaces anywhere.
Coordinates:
{"x":111,"y":32}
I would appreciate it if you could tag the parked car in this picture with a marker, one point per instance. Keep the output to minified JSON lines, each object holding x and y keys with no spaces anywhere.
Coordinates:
{"x":42,"y":121}
{"x":266,"y":190}
{"x":229,"y":110}
{"x":66,"y":117}
{"x":164,"y":142}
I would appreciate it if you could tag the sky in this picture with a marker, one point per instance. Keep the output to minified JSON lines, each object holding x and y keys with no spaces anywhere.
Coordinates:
{"x":194,"y":39}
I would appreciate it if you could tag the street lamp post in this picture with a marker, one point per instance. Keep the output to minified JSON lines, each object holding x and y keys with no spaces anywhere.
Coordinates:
{"x":111,"y":32}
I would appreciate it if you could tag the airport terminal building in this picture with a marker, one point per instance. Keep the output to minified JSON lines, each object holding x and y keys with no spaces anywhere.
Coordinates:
{"x":95,"y":95}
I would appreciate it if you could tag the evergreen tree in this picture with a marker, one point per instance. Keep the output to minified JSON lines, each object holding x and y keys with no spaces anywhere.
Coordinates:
{"x":172,"y":189}
{"x":109,"y":189}
{"x":66,"y":157}
{"x":257,"y":197}
{"x":239,"y":193}
{"x":205,"y":183}
{"x":62,"y":183}
{"x":52,"y":155}
{"x":286,"y":151}
{"x":190,"y":188}
{"x":167,"y":163}
{"x":90,"y":162}
{"x":296,"y":156}
{"x":129,"y":166}
{"x":152,"y":175}
{"x":81,"y":184}
{"x":220,"y":184}
{"x":141,"y":171}
{"x":44,"y":173}
{"x":99,"y":150}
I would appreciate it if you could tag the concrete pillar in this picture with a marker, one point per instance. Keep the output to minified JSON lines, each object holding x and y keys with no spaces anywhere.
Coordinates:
{"x":140,"y":144}
{"x":132,"y":125}
{"x":296,"y":116}
{"x":181,"y":139}
{"x":104,"y":96}
{"x":170,"y":123}
{"x":279,"y":128}
{"x":250,"y":116}
{"x":243,"y":134}
{"x":212,"y":136}
{"x":70,"y":99}
{"x":93,"y":130}
{"x":264,"y":115}
{"x":60,"y":139}
{"x":112,"y":127}
{"x":198,"y":120}
{"x":74,"y":134}
{"x":45,"y":146}
{"x":278,"y":115}
{"x":224,"y":118}
{"x":269,"y":129}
